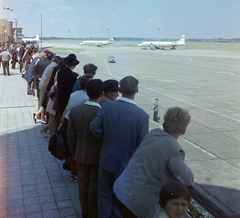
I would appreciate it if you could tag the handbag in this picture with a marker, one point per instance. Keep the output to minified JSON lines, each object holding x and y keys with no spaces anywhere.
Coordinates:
{"x":57,"y":147}
{"x":51,"y":94}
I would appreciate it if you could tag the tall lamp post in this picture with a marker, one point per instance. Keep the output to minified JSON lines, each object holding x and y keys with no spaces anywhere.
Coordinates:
{"x":41,"y":31}
{"x":16,"y":21}
{"x":108,"y":32}
{"x":158,"y":32}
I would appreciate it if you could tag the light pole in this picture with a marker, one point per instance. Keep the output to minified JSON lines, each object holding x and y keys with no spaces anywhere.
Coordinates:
{"x":5,"y":34}
{"x":41,"y":31}
{"x":16,"y":21}
{"x":158,"y":32}
{"x":108,"y":32}
{"x":69,"y":33}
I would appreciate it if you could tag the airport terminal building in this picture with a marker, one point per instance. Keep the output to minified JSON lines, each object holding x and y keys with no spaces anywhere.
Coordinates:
{"x":8,"y":33}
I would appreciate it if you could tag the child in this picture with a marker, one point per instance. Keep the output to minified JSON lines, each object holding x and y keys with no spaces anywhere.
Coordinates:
{"x":174,"y":198}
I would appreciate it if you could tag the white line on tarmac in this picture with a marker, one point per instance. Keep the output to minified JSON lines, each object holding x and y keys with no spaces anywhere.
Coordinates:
{"x":202,"y":149}
{"x":223,"y":115}
{"x":107,"y":66}
{"x":191,"y":143}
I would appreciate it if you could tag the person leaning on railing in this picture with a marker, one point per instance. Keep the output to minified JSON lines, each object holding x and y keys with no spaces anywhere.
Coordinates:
{"x":158,"y":159}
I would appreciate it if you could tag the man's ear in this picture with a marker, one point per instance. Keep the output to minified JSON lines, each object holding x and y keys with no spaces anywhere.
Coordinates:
{"x":183,"y":133}
{"x":120,"y":90}
{"x":102,"y":94}
{"x":136,"y":90}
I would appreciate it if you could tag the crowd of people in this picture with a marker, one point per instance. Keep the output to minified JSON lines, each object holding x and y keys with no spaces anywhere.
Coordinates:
{"x":119,"y":165}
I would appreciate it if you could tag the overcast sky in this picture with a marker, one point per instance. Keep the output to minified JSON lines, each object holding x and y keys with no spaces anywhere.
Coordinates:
{"x":126,"y":18}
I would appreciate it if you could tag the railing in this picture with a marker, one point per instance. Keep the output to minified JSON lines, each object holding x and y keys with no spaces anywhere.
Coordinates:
{"x":208,"y":205}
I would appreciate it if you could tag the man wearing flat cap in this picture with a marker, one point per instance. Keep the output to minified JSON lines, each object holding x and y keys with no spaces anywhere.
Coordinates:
{"x":65,"y":81}
{"x":110,"y":91}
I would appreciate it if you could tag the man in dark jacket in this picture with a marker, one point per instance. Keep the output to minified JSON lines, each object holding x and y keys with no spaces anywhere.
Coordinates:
{"x":85,"y":148}
{"x":122,"y":126}
{"x":20,"y":55}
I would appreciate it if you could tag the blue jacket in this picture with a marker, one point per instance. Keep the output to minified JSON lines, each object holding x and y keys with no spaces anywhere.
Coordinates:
{"x":121,"y":126}
{"x":29,"y":76}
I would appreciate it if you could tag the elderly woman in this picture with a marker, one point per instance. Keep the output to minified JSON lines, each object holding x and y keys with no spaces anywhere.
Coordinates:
{"x":158,"y":159}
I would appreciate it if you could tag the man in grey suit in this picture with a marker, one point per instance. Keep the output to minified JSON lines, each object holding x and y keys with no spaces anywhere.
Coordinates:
{"x":121,"y":125}
{"x":158,"y":160}
{"x":85,"y":148}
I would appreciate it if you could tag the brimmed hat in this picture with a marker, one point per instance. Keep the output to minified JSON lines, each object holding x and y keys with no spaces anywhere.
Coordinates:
{"x":71,"y":60}
{"x":156,"y":99}
{"x":111,"y":85}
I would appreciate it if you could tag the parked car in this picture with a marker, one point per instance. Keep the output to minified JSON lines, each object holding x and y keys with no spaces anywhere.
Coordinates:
{"x":111,"y":59}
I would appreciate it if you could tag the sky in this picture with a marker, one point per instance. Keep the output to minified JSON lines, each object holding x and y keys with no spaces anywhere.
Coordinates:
{"x":163,"y":19}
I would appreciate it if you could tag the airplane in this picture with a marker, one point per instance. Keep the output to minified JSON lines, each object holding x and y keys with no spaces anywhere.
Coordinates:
{"x":161,"y":45}
{"x":97,"y":43}
{"x":27,"y":40}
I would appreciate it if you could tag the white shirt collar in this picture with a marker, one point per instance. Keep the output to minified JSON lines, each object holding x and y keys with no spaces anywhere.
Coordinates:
{"x":91,"y":103}
{"x":127,"y":100}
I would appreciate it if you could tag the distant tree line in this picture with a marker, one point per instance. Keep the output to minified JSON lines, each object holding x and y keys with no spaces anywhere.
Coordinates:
{"x":236,"y":40}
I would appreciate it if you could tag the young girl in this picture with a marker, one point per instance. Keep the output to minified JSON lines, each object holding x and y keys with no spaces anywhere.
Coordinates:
{"x":174,"y":198}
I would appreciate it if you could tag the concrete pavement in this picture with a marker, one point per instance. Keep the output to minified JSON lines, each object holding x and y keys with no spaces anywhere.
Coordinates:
{"x":32,"y":182}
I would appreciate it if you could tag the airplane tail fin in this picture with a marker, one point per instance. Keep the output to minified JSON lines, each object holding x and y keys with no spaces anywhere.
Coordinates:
{"x":182,"y":40}
{"x":37,"y":37}
{"x":111,"y":40}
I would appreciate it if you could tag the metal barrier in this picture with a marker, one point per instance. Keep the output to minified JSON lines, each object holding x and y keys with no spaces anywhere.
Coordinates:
{"x":208,"y":205}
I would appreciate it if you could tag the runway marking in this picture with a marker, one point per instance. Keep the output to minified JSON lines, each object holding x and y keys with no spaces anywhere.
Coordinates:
{"x":223,"y":115}
{"x":107,"y":66}
{"x":195,"y":105}
{"x":233,"y":74}
{"x":202,"y":149}
{"x":191,"y":143}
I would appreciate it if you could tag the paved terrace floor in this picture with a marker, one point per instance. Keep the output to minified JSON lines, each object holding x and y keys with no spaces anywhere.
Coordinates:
{"x":32,"y":182}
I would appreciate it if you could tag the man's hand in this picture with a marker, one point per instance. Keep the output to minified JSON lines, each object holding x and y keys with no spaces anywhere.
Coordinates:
{"x":59,"y":127}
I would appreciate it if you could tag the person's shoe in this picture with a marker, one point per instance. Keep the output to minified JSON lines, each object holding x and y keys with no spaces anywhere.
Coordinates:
{"x":72,"y":177}
{"x":34,"y":118}
{"x":9,"y":74}
{"x":44,"y":133}
{"x":43,"y":122}
{"x":76,"y":179}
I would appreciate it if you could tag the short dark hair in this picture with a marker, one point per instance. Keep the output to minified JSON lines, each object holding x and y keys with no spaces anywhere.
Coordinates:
{"x":129,"y":85}
{"x":84,"y":79}
{"x":89,"y":68}
{"x":95,"y":88}
{"x":49,"y":55}
{"x":173,"y":190}
{"x":29,"y":51}
{"x":56,"y":58}
{"x":61,"y":63}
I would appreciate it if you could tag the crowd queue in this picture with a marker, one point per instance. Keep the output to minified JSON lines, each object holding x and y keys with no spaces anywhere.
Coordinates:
{"x":122,"y":169}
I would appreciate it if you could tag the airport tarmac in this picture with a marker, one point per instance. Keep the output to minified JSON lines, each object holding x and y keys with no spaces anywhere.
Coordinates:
{"x":207,"y":83}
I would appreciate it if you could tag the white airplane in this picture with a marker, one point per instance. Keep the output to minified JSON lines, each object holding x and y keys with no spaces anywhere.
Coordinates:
{"x":36,"y":39}
{"x":97,"y":43}
{"x":161,"y":45}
